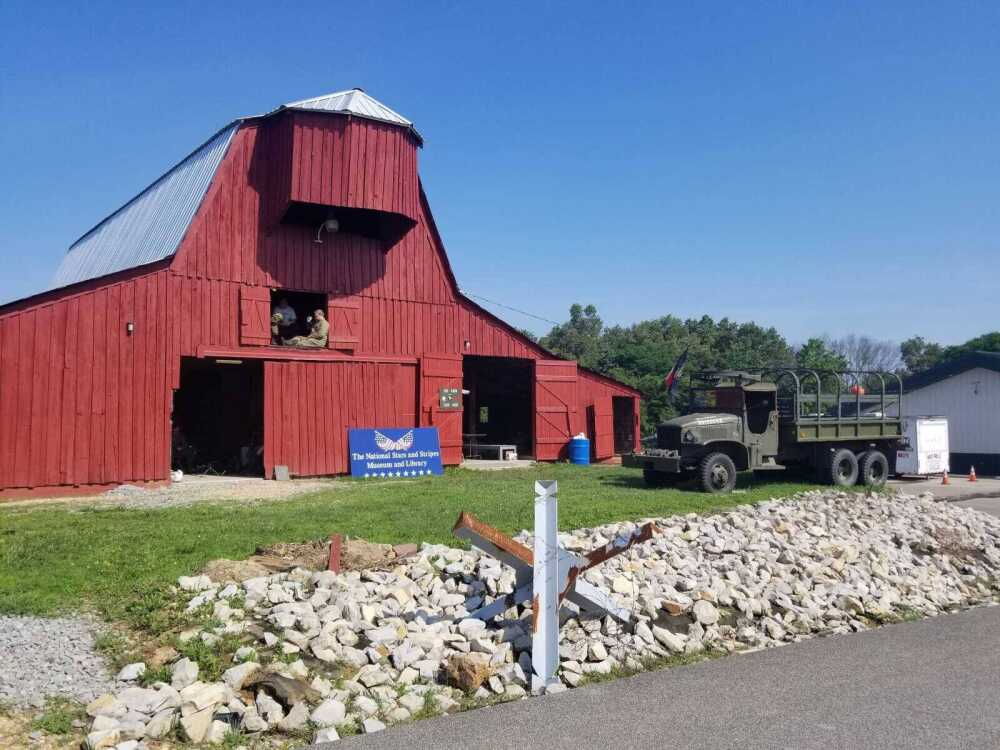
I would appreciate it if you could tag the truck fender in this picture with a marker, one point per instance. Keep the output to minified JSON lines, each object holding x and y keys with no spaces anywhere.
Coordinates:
{"x":736,"y":451}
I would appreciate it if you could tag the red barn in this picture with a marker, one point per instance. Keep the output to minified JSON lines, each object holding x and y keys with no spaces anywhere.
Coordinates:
{"x":154,"y":346}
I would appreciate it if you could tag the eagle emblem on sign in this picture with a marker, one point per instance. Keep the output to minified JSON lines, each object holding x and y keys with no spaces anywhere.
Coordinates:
{"x":388,"y":444}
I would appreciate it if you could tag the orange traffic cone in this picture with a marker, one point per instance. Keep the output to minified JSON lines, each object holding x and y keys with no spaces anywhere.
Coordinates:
{"x":972,"y":473}
{"x":944,"y":477}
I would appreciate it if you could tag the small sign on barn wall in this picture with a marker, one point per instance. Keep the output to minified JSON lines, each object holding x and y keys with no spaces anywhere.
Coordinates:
{"x":395,"y":452}
{"x":450,"y":399}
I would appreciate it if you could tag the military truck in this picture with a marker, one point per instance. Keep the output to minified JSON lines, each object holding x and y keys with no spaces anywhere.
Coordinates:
{"x":844,"y":425}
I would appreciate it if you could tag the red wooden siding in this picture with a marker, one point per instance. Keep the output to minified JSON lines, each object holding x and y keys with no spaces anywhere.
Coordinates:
{"x":309,"y":406}
{"x":81,"y":401}
{"x":594,"y":388}
{"x":556,"y":408}
{"x":230,"y":240}
{"x":347,"y":161}
{"x":439,"y":371}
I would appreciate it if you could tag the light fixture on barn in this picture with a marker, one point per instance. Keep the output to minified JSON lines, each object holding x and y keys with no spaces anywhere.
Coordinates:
{"x":330,"y":225}
{"x":130,"y":328}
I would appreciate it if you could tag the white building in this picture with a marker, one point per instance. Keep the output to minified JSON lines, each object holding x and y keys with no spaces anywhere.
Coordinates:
{"x":967,"y":391}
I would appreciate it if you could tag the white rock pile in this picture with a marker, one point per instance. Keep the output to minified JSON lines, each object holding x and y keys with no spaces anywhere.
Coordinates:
{"x":821,"y":562}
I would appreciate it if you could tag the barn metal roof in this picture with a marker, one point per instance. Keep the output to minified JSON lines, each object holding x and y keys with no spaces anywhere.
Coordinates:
{"x":354,"y":102}
{"x":150,"y":226}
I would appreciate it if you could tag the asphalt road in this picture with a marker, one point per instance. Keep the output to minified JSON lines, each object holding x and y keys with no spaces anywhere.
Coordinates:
{"x":958,"y":488}
{"x":928,"y":684}
{"x":989,"y":505}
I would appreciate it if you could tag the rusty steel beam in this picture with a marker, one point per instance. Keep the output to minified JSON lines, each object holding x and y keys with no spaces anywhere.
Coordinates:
{"x":336,"y":543}
{"x":476,"y":532}
{"x":619,"y":544}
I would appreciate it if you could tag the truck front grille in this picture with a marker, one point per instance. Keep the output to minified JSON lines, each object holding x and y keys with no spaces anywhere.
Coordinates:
{"x":668,"y":437}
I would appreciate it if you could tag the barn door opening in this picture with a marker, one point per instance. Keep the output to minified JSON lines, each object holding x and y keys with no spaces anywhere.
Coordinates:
{"x":441,"y":402}
{"x":497,"y":406}
{"x":625,"y":424}
{"x":218,"y":418}
{"x":556,"y":419}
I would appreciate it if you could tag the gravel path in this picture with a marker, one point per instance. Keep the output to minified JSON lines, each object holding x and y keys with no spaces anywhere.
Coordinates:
{"x":40,"y":657}
{"x":191,"y":490}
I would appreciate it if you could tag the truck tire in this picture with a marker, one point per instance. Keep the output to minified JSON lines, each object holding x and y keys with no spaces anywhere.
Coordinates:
{"x":841,"y":469}
{"x":873,"y":469}
{"x":717,"y":473}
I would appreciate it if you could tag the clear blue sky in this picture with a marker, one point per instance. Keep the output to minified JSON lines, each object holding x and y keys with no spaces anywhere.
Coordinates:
{"x":820,"y":167}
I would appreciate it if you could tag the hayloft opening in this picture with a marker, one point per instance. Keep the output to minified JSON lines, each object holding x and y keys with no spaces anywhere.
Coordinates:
{"x":218,"y":418}
{"x":303,"y":304}
{"x":498,"y":406}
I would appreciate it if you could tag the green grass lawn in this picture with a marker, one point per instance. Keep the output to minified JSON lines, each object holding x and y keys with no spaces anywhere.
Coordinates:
{"x":116,"y":561}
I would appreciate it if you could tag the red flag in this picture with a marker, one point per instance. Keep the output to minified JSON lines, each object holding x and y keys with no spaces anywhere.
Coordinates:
{"x":675,"y":373}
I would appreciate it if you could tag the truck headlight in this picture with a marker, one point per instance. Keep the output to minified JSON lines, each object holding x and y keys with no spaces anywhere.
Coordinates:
{"x":689,"y":437}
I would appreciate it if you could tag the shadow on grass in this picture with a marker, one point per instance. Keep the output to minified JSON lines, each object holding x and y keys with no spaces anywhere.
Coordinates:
{"x":746,"y":480}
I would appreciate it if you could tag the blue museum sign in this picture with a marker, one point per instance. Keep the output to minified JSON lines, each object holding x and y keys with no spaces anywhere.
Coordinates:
{"x":395,"y":452}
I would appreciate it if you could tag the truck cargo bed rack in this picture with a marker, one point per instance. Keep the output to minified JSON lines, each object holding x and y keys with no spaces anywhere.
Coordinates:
{"x":838,"y":406}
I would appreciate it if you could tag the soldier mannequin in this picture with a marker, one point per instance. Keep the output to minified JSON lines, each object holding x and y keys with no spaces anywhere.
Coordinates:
{"x":317,"y":334}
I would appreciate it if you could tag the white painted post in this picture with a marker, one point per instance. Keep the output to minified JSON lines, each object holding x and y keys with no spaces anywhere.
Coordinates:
{"x":545,"y":584}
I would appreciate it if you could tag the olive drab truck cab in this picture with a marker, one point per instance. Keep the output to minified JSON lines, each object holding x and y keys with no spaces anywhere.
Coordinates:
{"x":843,"y":425}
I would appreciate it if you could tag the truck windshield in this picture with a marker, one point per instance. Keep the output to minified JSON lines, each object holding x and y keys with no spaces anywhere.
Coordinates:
{"x":728,"y":400}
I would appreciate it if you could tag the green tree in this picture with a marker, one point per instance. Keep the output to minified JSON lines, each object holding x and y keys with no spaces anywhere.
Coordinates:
{"x":578,"y":338}
{"x":641,"y":354}
{"x":988,"y":342}
{"x":816,"y":354}
{"x":919,"y":355}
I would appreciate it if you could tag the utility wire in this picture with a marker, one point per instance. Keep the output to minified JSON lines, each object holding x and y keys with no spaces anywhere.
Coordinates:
{"x":508,"y":307}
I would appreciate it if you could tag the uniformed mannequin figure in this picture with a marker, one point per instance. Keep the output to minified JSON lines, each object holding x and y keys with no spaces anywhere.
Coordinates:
{"x":286,"y":321}
{"x":317,"y":333}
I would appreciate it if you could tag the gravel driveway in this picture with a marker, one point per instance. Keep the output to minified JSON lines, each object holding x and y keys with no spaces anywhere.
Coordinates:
{"x":40,"y":657}
{"x":192,"y":489}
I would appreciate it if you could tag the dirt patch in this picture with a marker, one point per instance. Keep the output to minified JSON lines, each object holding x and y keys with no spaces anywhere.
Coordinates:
{"x":16,"y":730}
{"x":234,"y":570}
{"x":313,"y":555}
{"x":355,"y":554}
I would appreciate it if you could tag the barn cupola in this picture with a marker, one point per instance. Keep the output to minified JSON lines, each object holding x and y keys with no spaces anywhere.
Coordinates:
{"x":341,"y":163}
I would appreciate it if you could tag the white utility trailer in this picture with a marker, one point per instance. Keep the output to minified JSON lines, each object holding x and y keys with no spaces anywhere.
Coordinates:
{"x":926,"y":446}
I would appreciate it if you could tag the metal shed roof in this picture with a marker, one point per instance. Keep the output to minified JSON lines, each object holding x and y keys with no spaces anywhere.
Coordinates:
{"x":950,"y":368}
{"x":150,"y":226}
{"x":353,"y":102}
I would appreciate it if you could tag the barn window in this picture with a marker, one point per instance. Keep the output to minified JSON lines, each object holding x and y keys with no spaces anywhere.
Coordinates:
{"x":304,"y":304}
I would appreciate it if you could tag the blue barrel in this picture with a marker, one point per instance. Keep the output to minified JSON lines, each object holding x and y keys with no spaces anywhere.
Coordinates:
{"x":579,"y":451}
